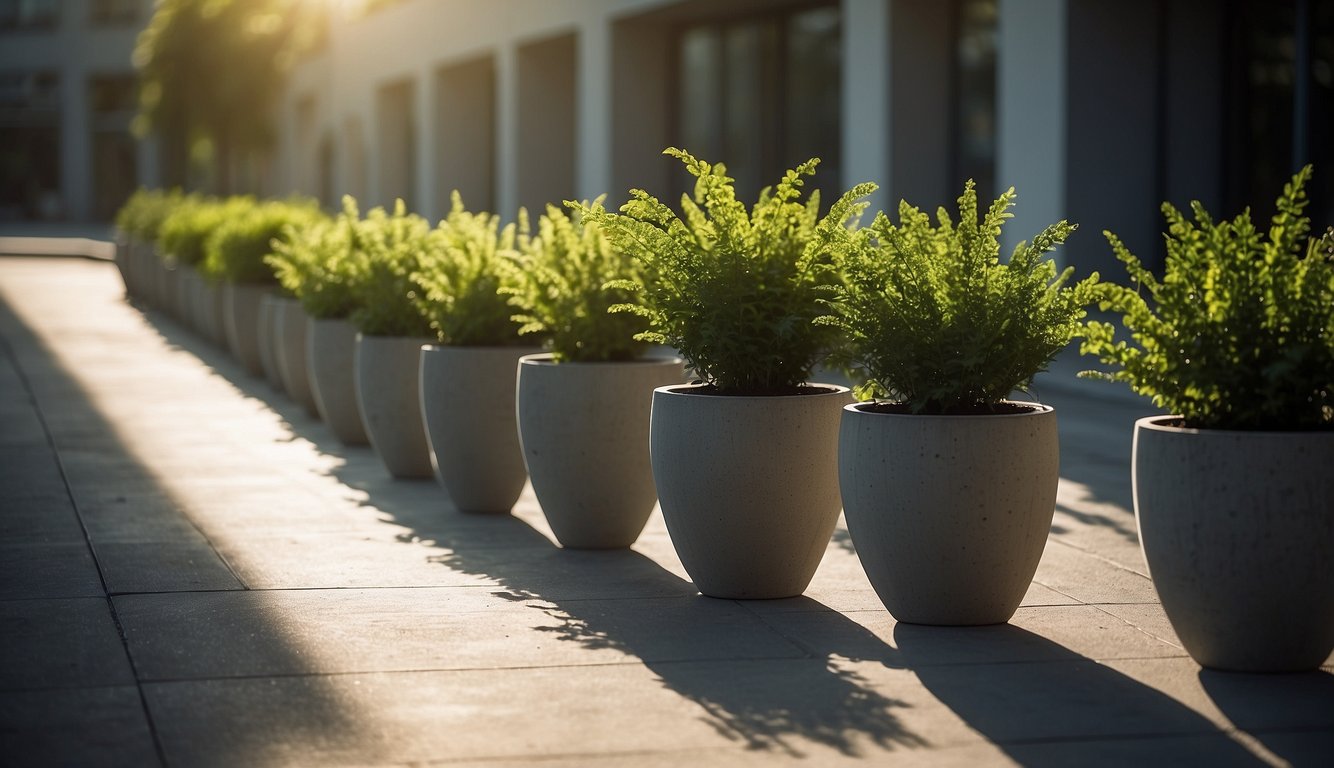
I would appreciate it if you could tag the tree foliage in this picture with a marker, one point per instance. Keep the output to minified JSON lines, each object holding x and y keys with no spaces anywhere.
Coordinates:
{"x":734,"y":291}
{"x":559,"y":289}
{"x":213,"y":71}
{"x":939,"y":322}
{"x":1239,"y":332}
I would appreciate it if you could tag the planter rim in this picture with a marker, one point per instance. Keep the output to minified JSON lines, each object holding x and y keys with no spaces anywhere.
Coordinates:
{"x":434,"y":345}
{"x":1035,"y":409}
{"x":544,"y":359}
{"x":685,"y":390}
{"x":1157,"y":424}
{"x":360,"y":334}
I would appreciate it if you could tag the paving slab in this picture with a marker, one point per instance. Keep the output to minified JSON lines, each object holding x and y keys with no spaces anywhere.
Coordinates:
{"x":70,"y":643}
{"x":76,"y":727}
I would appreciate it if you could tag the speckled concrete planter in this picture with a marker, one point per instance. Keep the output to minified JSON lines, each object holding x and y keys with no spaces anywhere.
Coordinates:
{"x":213,"y":313}
{"x":388,"y":399}
{"x":748,"y":486}
{"x":468,"y":407}
{"x":949,"y":514}
{"x":584,"y":428}
{"x":289,"y":345}
{"x":241,"y":312}
{"x":330,"y":360}
{"x":1238,"y":532}
{"x":268,"y":332}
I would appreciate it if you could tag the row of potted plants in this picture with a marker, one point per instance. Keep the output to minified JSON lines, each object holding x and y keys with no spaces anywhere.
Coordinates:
{"x":947,"y":485}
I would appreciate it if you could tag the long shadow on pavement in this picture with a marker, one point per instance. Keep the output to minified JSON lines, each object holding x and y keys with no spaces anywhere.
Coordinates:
{"x":76,"y":573}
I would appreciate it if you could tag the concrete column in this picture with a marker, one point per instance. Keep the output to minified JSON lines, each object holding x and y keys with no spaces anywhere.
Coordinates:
{"x":593,"y":143}
{"x":1031,"y":119}
{"x":76,"y":172}
{"x":507,"y":131}
{"x":867,"y":122}
{"x":429,"y":204}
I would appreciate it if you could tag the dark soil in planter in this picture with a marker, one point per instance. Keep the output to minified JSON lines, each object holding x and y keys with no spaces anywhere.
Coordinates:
{"x":994,"y":409}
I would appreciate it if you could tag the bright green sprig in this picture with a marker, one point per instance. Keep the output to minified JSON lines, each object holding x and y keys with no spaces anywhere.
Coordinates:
{"x":1239,"y":332}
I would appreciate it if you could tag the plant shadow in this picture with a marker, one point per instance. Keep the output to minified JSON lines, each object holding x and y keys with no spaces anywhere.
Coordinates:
{"x":1044,"y":704}
{"x":755,"y":686}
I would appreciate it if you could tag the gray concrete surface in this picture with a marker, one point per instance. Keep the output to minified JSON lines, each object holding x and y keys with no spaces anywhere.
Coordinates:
{"x":195,"y":572}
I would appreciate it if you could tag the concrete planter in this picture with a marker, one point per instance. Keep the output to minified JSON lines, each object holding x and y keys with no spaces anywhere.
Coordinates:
{"x":121,"y":258}
{"x":241,"y":313}
{"x":467,"y":404}
{"x":584,"y":428}
{"x":388,"y":398}
{"x":748,"y":486}
{"x":268,"y":331}
{"x":213,"y":313}
{"x":949,"y":514}
{"x":289,"y":345}
{"x":330,"y":361}
{"x":1238,"y":533}
{"x":188,"y":284}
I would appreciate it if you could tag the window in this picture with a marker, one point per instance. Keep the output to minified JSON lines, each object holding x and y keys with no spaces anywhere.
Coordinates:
{"x":1268,"y":97}
{"x":29,"y":14}
{"x":761,"y":94}
{"x":975,"y":97}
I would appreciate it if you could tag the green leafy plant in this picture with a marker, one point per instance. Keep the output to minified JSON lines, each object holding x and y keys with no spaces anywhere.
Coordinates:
{"x":460,"y":290}
{"x":1239,"y":332}
{"x":238,"y":245}
{"x":389,"y":250}
{"x":142,"y":215}
{"x":559,"y":287}
{"x":939,"y":323}
{"x":184,"y":232}
{"x":317,"y":264}
{"x":734,"y":291}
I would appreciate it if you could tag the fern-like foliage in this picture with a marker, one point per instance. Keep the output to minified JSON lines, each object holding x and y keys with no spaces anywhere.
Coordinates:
{"x":388,"y":249}
{"x":559,"y":288}
{"x":734,"y":291}
{"x":238,"y":244}
{"x":939,"y":322}
{"x":142,"y":215}
{"x":186,"y":228}
{"x":460,"y":286}
{"x":1239,"y":332}
{"x":318,"y":264}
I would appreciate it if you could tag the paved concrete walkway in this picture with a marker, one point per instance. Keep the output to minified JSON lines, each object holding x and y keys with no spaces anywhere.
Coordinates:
{"x":193,"y":572}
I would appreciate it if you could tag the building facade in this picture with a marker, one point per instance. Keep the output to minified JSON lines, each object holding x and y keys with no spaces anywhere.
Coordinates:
{"x":67,"y":98}
{"x":1095,"y":111}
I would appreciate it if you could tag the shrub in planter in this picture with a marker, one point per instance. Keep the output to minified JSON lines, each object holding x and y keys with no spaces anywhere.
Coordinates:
{"x":387,"y":251}
{"x":583,"y":406}
{"x":1233,"y":490}
{"x":317,"y":266}
{"x":743,"y":460}
{"x":948,"y":487}
{"x":468,"y":375}
{"x":234,"y":253}
{"x":138,"y":223}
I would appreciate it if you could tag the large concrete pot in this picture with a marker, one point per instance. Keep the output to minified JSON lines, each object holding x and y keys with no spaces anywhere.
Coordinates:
{"x":584,"y":428}
{"x":467,"y":404}
{"x":269,"y":330}
{"x":213,"y":313}
{"x":949,"y":514}
{"x":388,"y":399}
{"x":289,"y":346}
{"x":330,"y":361}
{"x":241,"y":313}
{"x":748,"y":486}
{"x":121,"y":258}
{"x":187,"y":291}
{"x":1238,"y":533}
